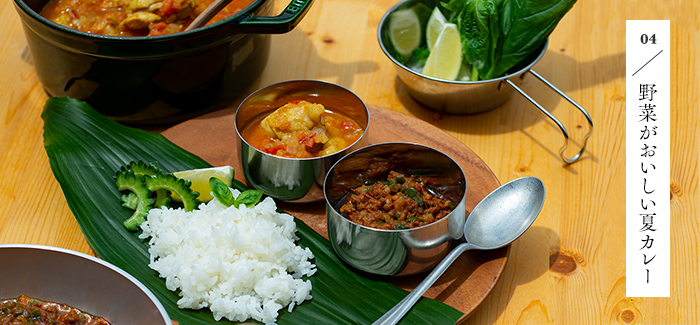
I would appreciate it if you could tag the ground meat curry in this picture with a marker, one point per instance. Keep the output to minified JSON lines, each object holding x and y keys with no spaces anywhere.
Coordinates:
{"x":400,"y":202}
{"x":133,"y":17}
{"x":26,"y":310}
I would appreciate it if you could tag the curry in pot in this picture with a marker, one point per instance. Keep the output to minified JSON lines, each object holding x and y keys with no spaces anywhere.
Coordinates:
{"x":133,"y":17}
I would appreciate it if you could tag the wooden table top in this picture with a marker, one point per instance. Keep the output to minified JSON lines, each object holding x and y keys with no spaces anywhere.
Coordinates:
{"x":569,"y":267}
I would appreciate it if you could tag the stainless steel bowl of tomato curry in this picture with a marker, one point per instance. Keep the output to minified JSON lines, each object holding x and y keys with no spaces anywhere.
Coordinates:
{"x":50,"y":285}
{"x":133,"y":60}
{"x":395,"y":209}
{"x":291,"y":133}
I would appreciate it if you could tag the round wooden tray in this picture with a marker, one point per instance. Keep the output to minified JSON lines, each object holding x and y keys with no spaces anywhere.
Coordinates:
{"x":466,"y":283}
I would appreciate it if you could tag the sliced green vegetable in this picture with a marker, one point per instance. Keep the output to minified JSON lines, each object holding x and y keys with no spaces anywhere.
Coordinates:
{"x":181,"y":187}
{"x":163,"y":198}
{"x":130,"y":201}
{"x":140,"y":168}
{"x":126,"y":180}
{"x":221,"y":191}
{"x":156,"y":182}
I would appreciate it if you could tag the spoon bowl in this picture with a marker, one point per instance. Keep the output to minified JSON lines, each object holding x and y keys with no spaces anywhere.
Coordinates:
{"x":499,"y":219}
{"x":503,"y":215}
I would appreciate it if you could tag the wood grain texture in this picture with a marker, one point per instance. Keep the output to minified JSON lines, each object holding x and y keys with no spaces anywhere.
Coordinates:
{"x":569,"y":268}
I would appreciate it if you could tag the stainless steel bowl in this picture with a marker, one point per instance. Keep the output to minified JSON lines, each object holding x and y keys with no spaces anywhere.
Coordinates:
{"x":471,"y":97}
{"x":394,"y":252}
{"x":291,"y":179}
{"x":79,"y":280}
{"x":455,"y":97}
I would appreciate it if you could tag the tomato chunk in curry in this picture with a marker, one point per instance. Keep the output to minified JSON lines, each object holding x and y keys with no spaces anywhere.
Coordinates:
{"x":400,"y":202}
{"x":133,"y":17}
{"x":301,"y":129}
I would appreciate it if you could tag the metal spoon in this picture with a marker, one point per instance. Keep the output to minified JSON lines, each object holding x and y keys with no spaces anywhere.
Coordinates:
{"x":500,"y":218}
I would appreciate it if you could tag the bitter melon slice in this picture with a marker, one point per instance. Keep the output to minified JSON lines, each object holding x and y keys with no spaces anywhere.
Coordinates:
{"x":140,"y":168}
{"x":127,"y":180}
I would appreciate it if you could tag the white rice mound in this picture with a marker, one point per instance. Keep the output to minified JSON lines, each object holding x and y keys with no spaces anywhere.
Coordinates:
{"x":240,"y":263}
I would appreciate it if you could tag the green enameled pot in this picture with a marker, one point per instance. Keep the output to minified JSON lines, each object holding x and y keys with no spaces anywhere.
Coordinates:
{"x":156,"y":79}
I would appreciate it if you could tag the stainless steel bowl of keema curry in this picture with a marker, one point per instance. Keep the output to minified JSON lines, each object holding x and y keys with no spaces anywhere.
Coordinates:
{"x":395,"y":209}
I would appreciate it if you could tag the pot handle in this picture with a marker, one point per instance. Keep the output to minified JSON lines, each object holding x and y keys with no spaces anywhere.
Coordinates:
{"x":561,"y":127}
{"x":280,"y":24}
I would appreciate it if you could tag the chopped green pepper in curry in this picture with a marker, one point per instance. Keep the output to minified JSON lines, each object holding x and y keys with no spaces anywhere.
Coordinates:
{"x":400,"y":202}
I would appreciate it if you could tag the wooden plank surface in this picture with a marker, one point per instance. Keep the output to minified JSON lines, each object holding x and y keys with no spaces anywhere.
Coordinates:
{"x":569,"y":268}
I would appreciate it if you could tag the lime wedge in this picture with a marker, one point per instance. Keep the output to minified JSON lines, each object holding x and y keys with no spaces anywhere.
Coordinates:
{"x":404,"y":31}
{"x":200,"y":180}
{"x":423,"y":12}
{"x":445,"y":59}
{"x":436,"y":23}
{"x":429,"y":68}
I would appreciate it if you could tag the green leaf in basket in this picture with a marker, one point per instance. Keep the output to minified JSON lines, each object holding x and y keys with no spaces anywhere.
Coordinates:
{"x":85,"y":149}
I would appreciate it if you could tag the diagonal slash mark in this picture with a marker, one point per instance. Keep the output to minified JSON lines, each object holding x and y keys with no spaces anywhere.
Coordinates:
{"x":645,"y":64}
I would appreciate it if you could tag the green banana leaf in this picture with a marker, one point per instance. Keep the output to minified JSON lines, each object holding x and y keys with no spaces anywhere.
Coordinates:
{"x":85,"y":150}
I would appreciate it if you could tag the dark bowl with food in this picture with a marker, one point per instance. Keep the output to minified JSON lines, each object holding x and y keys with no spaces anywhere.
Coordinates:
{"x":156,"y":79}
{"x":290,"y":133}
{"x":80,"y":281}
{"x":395,"y":209}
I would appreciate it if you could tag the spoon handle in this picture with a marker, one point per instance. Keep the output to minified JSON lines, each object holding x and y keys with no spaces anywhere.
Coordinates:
{"x":395,"y":314}
{"x":208,"y":14}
